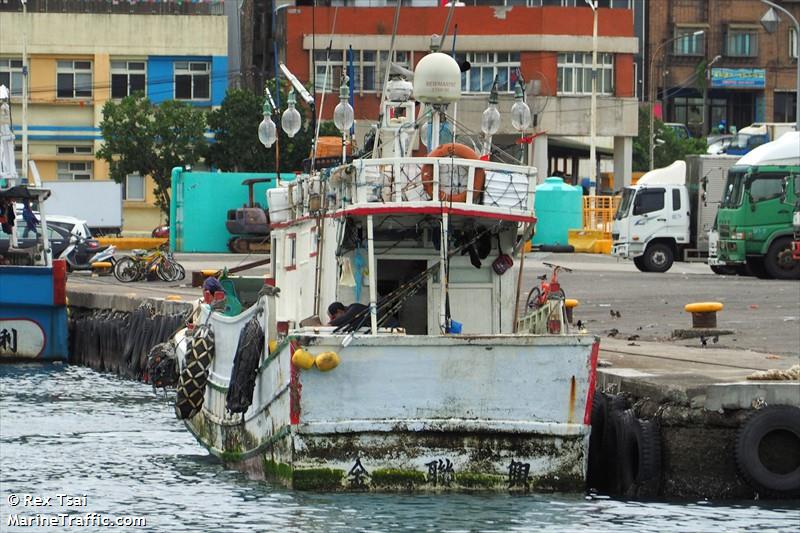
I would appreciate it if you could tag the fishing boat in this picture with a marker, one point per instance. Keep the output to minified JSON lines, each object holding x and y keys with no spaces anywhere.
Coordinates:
{"x":33,"y":311}
{"x":424,"y":375}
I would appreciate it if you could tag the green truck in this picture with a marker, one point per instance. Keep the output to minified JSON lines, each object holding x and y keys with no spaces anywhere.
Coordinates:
{"x":755,"y":217}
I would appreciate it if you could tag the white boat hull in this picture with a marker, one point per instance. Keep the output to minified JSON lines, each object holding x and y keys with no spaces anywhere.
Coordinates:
{"x":402,"y":412}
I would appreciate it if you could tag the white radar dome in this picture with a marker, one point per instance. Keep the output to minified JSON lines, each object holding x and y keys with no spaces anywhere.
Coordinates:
{"x":437,"y":79}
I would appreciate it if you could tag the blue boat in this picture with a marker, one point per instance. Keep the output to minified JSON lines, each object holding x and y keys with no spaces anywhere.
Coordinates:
{"x":33,"y":303}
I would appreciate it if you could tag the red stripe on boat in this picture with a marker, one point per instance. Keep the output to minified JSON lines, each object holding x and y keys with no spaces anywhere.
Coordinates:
{"x":587,"y":415}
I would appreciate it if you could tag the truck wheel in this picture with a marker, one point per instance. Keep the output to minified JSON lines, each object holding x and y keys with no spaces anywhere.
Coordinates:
{"x":778,"y":261}
{"x":658,"y":257}
{"x":640,"y":263}
{"x":756,"y":266}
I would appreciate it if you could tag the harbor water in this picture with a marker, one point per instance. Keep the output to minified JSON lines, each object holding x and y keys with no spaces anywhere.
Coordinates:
{"x":102,"y":448}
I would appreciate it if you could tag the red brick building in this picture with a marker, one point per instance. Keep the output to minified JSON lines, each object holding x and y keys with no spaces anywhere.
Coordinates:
{"x":753,"y":78}
{"x":552,"y":45}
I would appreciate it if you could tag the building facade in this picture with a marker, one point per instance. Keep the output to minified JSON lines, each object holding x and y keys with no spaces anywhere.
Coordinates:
{"x":712,"y":63}
{"x":79,"y":61}
{"x":550,"y":46}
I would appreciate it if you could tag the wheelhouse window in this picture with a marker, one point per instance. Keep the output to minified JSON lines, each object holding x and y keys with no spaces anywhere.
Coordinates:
{"x":741,"y":42}
{"x":74,"y":170}
{"x":74,"y":79}
{"x":290,"y":249}
{"x":192,"y":80}
{"x":485,"y":66}
{"x":127,"y":78}
{"x":575,"y":73}
{"x":11,"y":75}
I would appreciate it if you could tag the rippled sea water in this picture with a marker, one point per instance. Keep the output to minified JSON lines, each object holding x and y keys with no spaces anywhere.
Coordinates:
{"x":70,"y":430}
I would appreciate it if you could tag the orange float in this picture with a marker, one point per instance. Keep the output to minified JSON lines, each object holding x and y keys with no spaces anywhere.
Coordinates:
{"x":451,"y":150}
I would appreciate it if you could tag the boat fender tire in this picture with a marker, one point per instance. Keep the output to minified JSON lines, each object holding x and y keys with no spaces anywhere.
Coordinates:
{"x":245,"y":367}
{"x":629,"y":437}
{"x":768,"y":451}
{"x":452,"y":150}
{"x":596,"y":477}
{"x":614,"y":406}
{"x":192,"y":382}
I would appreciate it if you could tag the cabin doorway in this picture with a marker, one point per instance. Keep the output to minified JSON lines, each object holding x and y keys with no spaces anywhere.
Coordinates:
{"x":413,"y":313}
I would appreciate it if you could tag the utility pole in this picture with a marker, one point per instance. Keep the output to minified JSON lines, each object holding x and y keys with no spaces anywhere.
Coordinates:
{"x":770,"y":22}
{"x":24,"y":174}
{"x":593,"y":127}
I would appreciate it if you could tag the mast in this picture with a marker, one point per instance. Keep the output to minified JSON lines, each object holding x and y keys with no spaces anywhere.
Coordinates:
{"x":24,"y":174}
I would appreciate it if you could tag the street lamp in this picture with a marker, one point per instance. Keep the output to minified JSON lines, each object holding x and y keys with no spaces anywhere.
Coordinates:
{"x":652,"y":84}
{"x":770,"y":22}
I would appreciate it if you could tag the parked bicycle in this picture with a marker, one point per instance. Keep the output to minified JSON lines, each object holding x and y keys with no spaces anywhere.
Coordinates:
{"x":547,"y":290}
{"x":155,"y":264}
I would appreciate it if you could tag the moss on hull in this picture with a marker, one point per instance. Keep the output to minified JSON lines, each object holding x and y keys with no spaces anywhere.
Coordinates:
{"x":395,"y":478}
{"x":317,"y":479}
{"x":280,"y":472}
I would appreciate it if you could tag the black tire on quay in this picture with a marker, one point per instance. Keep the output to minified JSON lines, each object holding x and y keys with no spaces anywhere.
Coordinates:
{"x":596,"y":476}
{"x":755,"y":265}
{"x":638,"y":451}
{"x":614,"y":406}
{"x":640,"y":264}
{"x":768,"y":451}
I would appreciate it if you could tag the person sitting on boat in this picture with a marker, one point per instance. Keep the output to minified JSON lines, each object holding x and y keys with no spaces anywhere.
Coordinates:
{"x":338,"y":314}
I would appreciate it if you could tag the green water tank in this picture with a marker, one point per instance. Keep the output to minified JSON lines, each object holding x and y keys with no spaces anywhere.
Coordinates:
{"x":559,"y":208}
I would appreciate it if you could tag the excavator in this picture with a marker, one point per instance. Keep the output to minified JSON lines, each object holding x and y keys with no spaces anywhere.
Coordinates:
{"x":249,"y":224}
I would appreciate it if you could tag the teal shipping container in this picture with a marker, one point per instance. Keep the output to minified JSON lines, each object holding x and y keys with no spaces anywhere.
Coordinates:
{"x":200,"y":204}
{"x":559,"y":208}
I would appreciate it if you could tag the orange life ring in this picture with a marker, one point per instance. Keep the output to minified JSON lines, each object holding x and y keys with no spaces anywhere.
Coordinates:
{"x":451,"y":150}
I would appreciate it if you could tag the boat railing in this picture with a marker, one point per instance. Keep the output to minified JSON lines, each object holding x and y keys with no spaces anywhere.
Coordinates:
{"x":423,"y":179}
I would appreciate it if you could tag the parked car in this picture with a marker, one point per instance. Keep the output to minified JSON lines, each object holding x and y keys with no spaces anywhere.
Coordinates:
{"x":58,"y":237}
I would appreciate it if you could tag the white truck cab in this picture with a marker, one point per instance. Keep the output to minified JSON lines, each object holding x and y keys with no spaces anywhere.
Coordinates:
{"x":652,"y":224}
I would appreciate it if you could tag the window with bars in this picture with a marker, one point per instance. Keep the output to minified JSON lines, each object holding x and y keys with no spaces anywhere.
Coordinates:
{"x":741,"y":42}
{"x":688,"y":42}
{"x":575,"y":73}
{"x":74,"y":170}
{"x":74,"y":79}
{"x":368,"y":69}
{"x":11,"y":75}
{"x":484,"y":67}
{"x":127,"y":78}
{"x":192,"y":80}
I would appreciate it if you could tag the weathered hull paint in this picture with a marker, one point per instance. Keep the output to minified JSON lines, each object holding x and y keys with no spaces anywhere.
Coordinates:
{"x":33,"y":326}
{"x":427,"y":413}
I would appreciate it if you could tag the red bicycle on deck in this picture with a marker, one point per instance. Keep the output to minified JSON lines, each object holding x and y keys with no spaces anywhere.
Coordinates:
{"x":549,"y":294}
